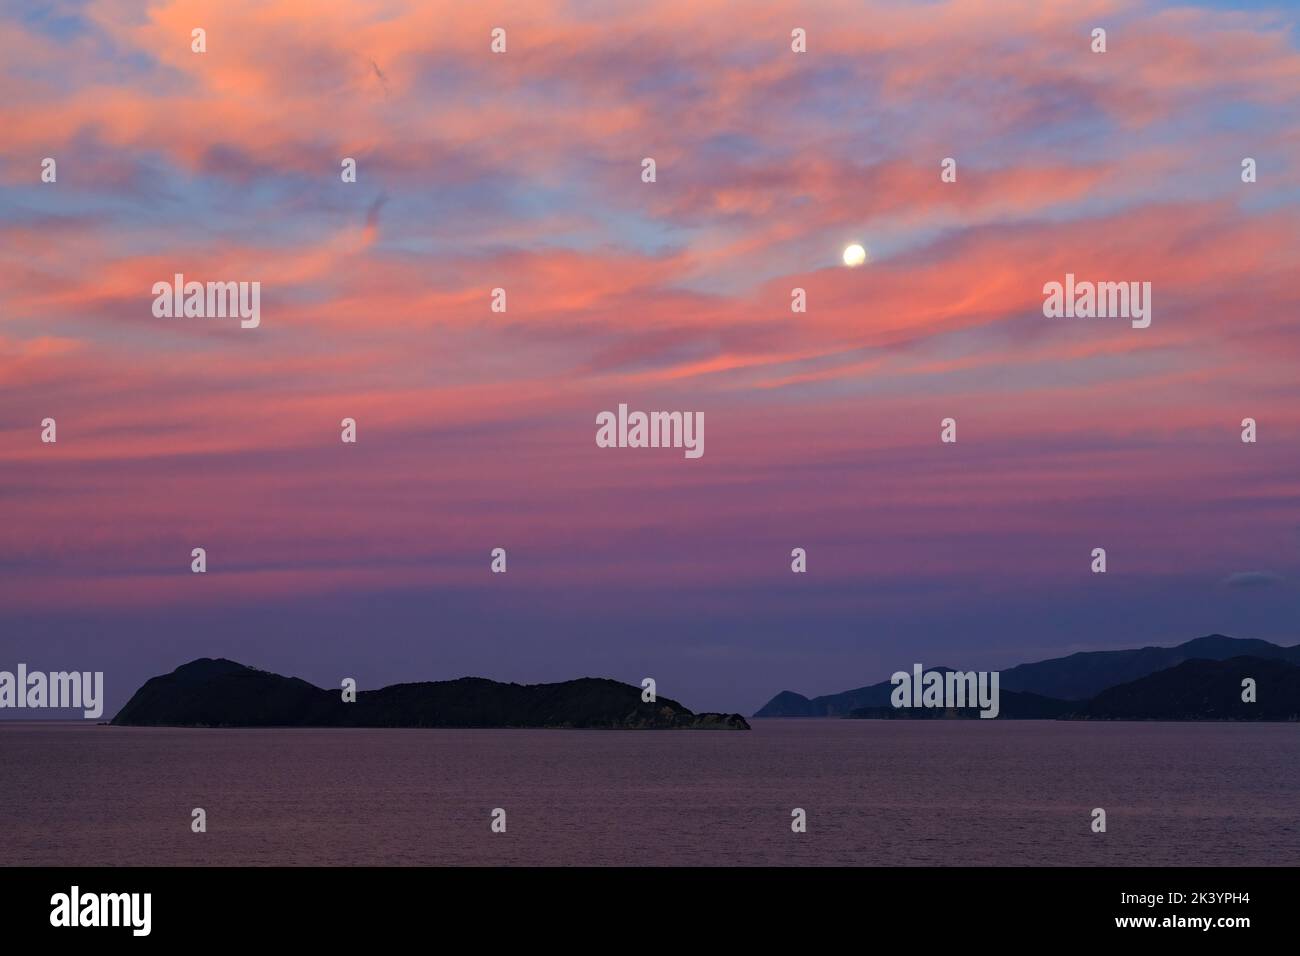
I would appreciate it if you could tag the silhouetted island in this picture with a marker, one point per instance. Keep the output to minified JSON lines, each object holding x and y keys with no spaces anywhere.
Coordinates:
{"x":223,"y":693}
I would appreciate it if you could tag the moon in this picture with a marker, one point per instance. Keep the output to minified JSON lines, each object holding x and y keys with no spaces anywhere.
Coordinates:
{"x":854,"y":255}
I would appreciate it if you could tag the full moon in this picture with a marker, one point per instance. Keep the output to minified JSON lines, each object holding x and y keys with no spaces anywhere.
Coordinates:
{"x":855,"y":255}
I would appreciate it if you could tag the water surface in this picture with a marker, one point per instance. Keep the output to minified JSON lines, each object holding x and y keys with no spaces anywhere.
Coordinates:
{"x":875,"y":792}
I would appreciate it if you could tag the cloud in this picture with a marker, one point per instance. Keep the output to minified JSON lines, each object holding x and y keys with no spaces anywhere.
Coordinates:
{"x":1252,"y":579}
{"x":522,"y":172}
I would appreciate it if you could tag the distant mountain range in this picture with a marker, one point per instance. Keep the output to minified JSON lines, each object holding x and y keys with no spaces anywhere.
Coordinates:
{"x":1203,"y":690}
{"x":1153,"y":683}
{"x":221,"y":693}
{"x":1085,"y":675}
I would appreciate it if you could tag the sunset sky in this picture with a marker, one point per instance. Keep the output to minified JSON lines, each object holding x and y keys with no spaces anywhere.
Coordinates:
{"x":476,"y":430}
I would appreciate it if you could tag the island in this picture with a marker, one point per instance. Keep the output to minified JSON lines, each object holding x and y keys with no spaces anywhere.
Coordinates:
{"x":222,"y":693}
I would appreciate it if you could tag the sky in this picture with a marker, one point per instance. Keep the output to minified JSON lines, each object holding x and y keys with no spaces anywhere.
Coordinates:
{"x":476,"y":429}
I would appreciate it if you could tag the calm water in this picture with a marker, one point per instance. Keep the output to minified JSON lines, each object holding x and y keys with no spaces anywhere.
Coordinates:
{"x":876,"y":792}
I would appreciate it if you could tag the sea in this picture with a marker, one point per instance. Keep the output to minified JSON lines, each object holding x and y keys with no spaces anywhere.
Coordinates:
{"x":873,"y":793}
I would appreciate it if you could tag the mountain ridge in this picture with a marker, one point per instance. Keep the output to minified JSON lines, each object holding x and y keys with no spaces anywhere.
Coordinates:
{"x":1202,"y":689}
{"x":1195,"y":690}
{"x":1076,"y":677}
